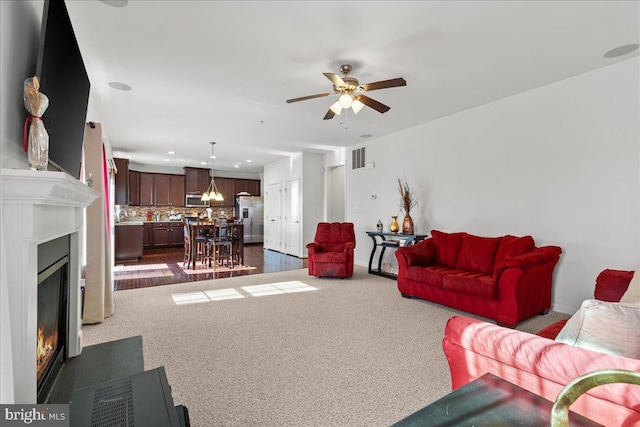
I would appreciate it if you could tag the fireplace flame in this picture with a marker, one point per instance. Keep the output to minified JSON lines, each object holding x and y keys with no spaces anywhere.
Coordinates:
{"x":47,"y":346}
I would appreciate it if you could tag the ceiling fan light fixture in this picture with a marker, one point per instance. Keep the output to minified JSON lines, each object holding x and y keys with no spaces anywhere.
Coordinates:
{"x":336,"y":107}
{"x":345,"y":100}
{"x":357,"y":106}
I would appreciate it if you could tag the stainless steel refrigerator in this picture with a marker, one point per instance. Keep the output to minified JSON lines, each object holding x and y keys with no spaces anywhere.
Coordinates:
{"x":250,"y":209}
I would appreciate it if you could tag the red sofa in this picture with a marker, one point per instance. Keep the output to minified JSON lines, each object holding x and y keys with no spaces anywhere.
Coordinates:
{"x":506,"y":279}
{"x":544,"y":366}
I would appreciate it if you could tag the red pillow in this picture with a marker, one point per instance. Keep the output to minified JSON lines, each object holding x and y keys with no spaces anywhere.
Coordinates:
{"x":478,"y":253}
{"x":511,"y":246}
{"x":447,"y":247}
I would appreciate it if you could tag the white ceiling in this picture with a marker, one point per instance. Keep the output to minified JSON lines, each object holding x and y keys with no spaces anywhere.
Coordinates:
{"x":221,"y":70}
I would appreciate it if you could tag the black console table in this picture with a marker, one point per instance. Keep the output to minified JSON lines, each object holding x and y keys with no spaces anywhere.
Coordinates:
{"x":488,"y":401}
{"x":386,"y":240}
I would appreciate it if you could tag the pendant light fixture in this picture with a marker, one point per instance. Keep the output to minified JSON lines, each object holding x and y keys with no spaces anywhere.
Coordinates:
{"x":212,"y":193}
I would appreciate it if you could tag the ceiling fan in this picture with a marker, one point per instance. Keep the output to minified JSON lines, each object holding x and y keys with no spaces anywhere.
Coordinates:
{"x":349,"y":91}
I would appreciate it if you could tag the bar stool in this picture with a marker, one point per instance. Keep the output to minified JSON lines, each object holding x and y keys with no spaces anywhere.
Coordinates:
{"x":220,"y":244}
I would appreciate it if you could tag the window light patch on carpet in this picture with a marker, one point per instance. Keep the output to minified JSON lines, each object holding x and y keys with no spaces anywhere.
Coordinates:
{"x":206,"y":296}
{"x":122,"y":272}
{"x":222,"y":294}
{"x":278,"y":288}
{"x":230,"y":293}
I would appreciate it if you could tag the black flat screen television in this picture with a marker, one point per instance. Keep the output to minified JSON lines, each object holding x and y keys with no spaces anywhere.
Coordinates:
{"x":63,"y":79}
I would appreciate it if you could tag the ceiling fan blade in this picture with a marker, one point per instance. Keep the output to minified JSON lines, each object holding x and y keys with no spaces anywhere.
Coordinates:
{"x":329,"y":115}
{"x":378,"y":106}
{"x":304,"y":98}
{"x":335,"y":79}
{"x":384,"y":84}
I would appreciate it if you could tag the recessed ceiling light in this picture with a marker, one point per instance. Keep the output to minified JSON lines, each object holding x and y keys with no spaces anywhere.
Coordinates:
{"x":212,"y":157}
{"x":366,"y":135}
{"x":248,"y":161}
{"x":166,"y":160}
{"x":115,"y":3}
{"x":171,"y":152}
{"x":621,"y":50}
{"x":236,"y":165}
{"x":120,"y":86}
{"x":203,"y":163}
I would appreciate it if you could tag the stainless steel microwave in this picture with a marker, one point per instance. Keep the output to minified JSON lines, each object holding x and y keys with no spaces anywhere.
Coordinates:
{"x":195,"y":201}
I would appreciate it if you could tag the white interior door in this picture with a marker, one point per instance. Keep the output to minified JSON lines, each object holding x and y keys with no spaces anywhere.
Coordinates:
{"x":273,"y":217}
{"x":292,"y":217}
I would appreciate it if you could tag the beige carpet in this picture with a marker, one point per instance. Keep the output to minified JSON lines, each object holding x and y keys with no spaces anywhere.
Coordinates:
{"x":268,"y":350}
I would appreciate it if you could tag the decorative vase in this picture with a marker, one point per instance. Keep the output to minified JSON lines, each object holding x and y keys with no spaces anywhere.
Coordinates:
{"x":394,"y":224}
{"x":407,"y":225}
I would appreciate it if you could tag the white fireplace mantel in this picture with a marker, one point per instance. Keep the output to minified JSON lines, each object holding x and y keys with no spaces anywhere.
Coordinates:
{"x":37,"y":207}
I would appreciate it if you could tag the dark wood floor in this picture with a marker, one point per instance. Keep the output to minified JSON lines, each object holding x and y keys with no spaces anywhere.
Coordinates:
{"x":163,"y":267}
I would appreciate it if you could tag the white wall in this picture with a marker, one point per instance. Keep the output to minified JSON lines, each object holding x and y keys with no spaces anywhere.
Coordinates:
{"x":18,"y":54}
{"x":561,"y":163}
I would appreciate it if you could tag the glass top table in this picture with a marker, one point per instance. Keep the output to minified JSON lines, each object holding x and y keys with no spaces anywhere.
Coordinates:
{"x":489,"y":401}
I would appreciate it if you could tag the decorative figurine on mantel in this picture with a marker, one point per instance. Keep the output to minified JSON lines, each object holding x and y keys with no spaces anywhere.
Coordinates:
{"x":35,"y":138}
{"x":407,"y":201}
{"x":379,"y":226}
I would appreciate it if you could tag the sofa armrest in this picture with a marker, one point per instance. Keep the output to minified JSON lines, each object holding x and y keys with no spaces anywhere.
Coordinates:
{"x":313,"y":247}
{"x":534,"y":256}
{"x":542,"y":366}
{"x":524,"y":284}
{"x":349,"y":246}
{"x":423,"y":253}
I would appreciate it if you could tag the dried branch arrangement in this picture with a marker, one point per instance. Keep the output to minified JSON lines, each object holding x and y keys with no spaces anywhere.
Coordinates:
{"x":407,"y":196}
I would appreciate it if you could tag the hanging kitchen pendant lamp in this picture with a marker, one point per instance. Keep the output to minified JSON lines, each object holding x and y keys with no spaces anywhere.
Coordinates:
{"x":212,"y":193}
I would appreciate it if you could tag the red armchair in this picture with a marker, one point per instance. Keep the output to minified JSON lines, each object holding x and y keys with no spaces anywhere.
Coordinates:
{"x":331,"y":252}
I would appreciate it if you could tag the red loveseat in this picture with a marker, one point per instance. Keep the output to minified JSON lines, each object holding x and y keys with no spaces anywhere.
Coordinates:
{"x":331,"y":252}
{"x":506,"y":279}
{"x":543,"y":366}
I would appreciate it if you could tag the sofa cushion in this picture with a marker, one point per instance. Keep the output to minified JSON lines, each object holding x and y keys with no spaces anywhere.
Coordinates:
{"x":447,"y":247}
{"x":632,"y":294}
{"x":332,"y":257}
{"x":607,"y":327}
{"x":511,"y":246}
{"x":432,"y":275}
{"x":612,"y":284}
{"x":477,"y":253}
{"x":477,"y":284}
{"x":423,"y":253}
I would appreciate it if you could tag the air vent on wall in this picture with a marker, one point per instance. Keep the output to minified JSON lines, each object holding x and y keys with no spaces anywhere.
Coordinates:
{"x":357,"y":158}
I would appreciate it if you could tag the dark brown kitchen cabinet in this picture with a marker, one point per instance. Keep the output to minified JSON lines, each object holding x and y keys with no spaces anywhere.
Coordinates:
{"x":251,"y":186}
{"x":177,"y":190}
{"x":128,"y":241}
{"x":162,"y":190}
{"x":159,"y":189}
{"x":166,"y":233}
{"x":226,"y":186}
{"x":146,"y":235}
{"x":121,"y":196}
{"x":147,"y":189}
{"x":196,"y":180}
{"x":160,"y":234}
{"x":177,"y":234}
{"x":134,"y":188}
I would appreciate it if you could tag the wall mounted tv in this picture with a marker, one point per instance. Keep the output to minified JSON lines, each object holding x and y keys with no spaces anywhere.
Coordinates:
{"x":63,"y":78}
